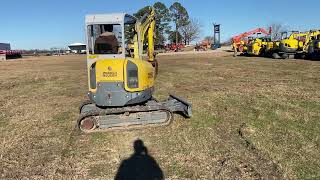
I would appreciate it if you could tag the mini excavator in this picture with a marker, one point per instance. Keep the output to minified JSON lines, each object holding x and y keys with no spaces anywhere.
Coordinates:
{"x":121,"y":79}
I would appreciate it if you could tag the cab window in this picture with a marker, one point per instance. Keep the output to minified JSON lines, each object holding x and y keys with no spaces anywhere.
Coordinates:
{"x":105,"y":38}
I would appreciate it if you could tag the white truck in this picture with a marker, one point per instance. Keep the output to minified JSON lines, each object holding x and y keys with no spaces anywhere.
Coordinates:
{"x":6,"y":52}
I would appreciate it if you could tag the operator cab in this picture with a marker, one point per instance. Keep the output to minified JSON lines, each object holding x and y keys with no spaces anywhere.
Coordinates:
{"x":107,"y":34}
{"x":284,"y":35}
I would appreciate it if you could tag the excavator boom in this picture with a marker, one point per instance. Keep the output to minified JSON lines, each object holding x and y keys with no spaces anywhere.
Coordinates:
{"x":239,"y":37}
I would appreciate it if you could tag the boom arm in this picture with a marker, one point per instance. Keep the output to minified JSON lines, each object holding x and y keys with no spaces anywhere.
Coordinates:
{"x":297,"y":35}
{"x":145,"y":25}
{"x":238,"y":38}
{"x":309,"y":36}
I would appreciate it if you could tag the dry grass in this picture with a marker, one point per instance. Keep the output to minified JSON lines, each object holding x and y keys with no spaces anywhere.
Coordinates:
{"x":253,"y":118}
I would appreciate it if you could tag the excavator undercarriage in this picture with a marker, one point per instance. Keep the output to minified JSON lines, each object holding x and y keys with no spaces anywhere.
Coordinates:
{"x":151,"y":113}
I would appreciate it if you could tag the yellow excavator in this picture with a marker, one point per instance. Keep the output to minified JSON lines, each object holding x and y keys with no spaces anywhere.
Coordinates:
{"x":296,"y":44}
{"x":121,"y":82}
{"x":239,"y":42}
{"x":314,"y":48}
{"x":273,"y":45}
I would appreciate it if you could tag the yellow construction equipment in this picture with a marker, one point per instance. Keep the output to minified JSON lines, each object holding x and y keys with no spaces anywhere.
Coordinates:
{"x":239,"y":42}
{"x":313,"y":51}
{"x":273,"y":45}
{"x":258,"y":46}
{"x":121,"y":82}
{"x":296,"y":44}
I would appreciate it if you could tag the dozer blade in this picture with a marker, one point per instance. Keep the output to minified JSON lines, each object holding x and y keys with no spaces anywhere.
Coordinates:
{"x":177,"y":104}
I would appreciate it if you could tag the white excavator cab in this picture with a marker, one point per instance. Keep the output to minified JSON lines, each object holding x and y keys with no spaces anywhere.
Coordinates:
{"x":107,"y":35}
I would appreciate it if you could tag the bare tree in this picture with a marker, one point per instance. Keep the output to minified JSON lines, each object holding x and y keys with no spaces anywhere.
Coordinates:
{"x":277,"y":29}
{"x":191,"y":31}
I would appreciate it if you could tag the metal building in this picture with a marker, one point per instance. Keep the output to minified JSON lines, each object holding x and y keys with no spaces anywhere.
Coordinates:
{"x":78,"y":48}
{"x":5,"y":46}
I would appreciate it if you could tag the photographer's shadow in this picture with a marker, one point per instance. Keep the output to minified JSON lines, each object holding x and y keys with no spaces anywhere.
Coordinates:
{"x":140,"y":165}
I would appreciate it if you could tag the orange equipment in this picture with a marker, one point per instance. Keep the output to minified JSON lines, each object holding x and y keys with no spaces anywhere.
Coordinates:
{"x":203,"y":45}
{"x":240,"y":42}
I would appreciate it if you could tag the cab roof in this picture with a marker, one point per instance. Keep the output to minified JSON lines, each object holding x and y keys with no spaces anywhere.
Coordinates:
{"x":113,"y":18}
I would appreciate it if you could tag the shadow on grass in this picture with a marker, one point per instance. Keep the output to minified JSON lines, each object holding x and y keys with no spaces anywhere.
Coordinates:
{"x":140,"y":165}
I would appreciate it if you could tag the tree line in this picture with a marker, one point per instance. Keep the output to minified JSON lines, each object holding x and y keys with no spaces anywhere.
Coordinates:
{"x":185,"y":29}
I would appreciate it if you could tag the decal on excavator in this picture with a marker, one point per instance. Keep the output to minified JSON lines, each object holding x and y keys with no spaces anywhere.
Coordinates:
{"x":110,"y":74}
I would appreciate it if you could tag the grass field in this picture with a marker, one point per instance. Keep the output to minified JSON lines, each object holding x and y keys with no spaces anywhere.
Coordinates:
{"x":254,"y":118}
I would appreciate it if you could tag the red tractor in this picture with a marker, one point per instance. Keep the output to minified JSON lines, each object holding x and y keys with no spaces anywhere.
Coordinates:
{"x":174,"y":47}
{"x":203,"y":46}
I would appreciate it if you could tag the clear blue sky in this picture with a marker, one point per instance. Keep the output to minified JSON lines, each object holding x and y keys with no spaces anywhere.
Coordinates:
{"x":56,"y":23}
